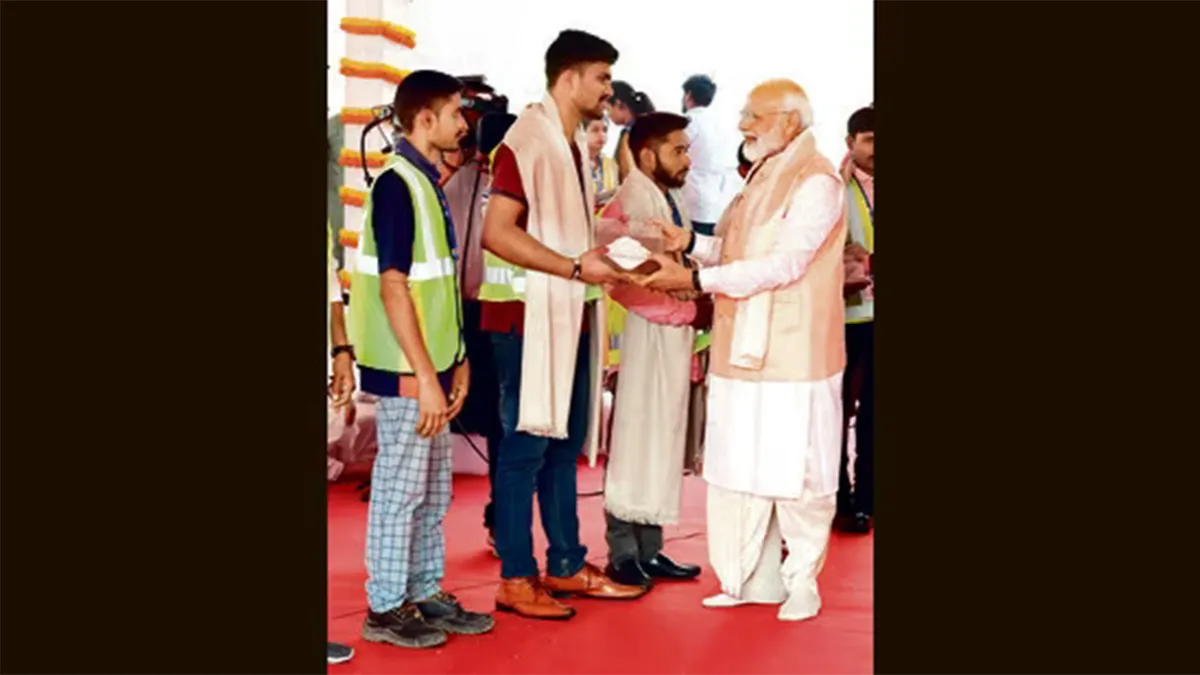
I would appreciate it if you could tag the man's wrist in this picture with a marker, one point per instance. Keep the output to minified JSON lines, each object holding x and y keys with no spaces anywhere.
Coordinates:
{"x":342,"y":350}
{"x":691,"y":242}
{"x":564,"y":267}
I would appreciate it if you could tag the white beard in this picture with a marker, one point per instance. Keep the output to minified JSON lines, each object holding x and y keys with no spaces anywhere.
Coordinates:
{"x":765,"y":145}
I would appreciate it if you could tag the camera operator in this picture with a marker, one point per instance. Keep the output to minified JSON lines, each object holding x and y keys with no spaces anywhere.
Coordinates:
{"x":466,"y":193}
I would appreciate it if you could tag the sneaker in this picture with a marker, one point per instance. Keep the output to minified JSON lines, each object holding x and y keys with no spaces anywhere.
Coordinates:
{"x":444,"y":612}
{"x":336,"y":653}
{"x":403,"y":627}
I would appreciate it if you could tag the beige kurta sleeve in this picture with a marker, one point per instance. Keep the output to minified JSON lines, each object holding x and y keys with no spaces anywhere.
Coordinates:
{"x":812,"y":213}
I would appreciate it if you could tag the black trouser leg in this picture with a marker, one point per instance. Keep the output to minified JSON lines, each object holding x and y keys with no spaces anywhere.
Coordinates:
{"x":864,"y":427}
{"x":859,"y":347}
{"x":650,"y":541}
{"x":481,"y":412}
{"x":621,"y":536}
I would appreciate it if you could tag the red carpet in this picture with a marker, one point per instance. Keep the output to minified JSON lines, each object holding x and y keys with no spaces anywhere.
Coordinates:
{"x":666,"y":631}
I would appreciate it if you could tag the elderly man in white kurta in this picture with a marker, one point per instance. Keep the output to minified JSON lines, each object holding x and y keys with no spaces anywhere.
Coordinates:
{"x":775,"y":270}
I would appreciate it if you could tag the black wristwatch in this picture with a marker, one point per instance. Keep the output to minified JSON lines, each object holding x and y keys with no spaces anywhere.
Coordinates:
{"x":343,"y":349}
{"x":691,"y":243}
{"x":576,"y":269}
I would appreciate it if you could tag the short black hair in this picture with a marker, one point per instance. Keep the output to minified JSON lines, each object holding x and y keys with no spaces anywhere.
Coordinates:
{"x":651,"y":129}
{"x":576,"y":48}
{"x":702,"y":89}
{"x":862,"y":121}
{"x":421,"y":90}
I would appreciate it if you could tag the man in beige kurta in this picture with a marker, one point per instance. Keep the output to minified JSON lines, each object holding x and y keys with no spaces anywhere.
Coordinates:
{"x":775,"y":270}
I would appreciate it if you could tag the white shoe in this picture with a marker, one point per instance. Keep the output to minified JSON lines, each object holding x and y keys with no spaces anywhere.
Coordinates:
{"x":799,"y":610}
{"x":722,"y":600}
{"x":725,"y":600}
{"x":797,"y":616}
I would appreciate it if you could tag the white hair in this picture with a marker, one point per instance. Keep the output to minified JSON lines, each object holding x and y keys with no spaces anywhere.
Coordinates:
{"x":798,"y":103}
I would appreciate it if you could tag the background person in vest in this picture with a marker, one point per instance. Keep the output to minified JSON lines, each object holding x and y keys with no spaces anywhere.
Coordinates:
{"x":777,"y":358}
{"x":406,"y":320}
{"x":644,"y":479}
{"x":856,"y":505}
{"x":625,"y":106}
{"x":712,"y":182}
{"x":539,"y":217}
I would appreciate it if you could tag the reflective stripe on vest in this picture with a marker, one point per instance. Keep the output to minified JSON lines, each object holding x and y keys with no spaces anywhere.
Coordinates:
{"x":505,"y":282}
{"x":431,"y":283}
{"x":860,"y":307}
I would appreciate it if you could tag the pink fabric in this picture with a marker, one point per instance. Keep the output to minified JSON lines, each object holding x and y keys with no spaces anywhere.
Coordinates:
{"x":653,"y":306}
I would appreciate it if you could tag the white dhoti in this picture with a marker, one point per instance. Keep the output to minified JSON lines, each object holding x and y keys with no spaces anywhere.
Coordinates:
{"x":771,"y":465}
{"x":745,"y":537}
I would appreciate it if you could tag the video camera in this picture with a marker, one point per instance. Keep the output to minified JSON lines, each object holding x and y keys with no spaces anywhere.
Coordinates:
{"x":478,"y":100}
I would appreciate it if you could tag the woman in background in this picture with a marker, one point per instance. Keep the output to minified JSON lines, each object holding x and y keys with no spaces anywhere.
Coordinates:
{"x":604,"y":169}
{"x":625,"y":105}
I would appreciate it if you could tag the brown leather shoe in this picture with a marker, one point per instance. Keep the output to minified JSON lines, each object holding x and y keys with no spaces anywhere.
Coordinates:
{"x":524,"y":596}
{"x":590,"y":582}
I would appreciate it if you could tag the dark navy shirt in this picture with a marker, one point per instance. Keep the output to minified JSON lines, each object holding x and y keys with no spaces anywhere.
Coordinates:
{"x":678,"y":220}
{"x":393,"y":224}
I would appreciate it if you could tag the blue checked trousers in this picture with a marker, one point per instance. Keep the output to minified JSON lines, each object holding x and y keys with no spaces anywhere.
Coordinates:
{"x":410,"y":494}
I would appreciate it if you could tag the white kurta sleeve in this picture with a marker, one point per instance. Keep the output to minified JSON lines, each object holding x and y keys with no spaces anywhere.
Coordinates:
{"x":814,"y":210}
{"x":706,"y":250}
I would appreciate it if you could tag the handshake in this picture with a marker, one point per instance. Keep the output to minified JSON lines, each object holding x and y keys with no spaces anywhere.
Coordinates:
{"x":646,"y":253}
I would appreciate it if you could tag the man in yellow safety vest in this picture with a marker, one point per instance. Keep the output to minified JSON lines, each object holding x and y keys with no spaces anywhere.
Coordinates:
{"x":406,"y":326}
{"x":856,"y":504}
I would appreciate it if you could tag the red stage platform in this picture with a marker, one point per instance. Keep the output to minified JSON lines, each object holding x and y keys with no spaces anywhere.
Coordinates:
{"x":667,"y":631}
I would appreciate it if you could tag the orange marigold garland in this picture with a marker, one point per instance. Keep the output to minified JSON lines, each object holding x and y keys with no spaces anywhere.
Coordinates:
{"x":344,"y":279}
{"x":352,"y":197}
{"x":389,"y":31}
{"x":347,"y":238}
{"x":352,"y":158}
{"x":357,"y":116}
{"x":372,"y":70}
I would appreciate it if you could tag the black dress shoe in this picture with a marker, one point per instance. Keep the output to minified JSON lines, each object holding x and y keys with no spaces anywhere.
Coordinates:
{"x":662,"y":567}
{"x":628,"y":573}
{"x":859,"y":524}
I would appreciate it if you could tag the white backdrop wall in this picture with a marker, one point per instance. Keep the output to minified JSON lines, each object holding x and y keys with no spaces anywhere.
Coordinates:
{"x":824,"y":45}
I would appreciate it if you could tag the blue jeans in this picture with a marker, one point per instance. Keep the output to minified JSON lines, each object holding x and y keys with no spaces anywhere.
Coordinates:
{"x":548,"y":465}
